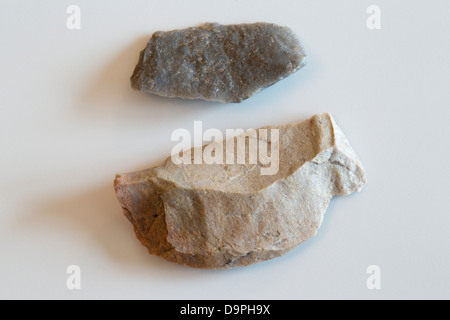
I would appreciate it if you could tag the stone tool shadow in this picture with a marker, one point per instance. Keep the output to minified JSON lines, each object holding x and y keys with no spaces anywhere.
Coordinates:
{"x":94,"y":216}
{"x":109,"y":91}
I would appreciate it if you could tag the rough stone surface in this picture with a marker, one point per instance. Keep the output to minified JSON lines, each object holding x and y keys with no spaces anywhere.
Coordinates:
{"x":216,"y":62}
{"x":224,"y":216}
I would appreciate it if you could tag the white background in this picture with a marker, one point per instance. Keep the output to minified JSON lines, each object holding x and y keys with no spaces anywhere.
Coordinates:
{"x":69,"y":122}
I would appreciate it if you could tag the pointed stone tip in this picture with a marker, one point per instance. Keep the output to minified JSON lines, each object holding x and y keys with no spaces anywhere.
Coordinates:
{"x":347,"y":161}
{"x":117,"y":180}
{"x":136,"y":84}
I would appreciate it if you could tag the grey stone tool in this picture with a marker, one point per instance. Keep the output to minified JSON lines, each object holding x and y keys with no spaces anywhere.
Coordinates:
{"x":216,"y":62}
